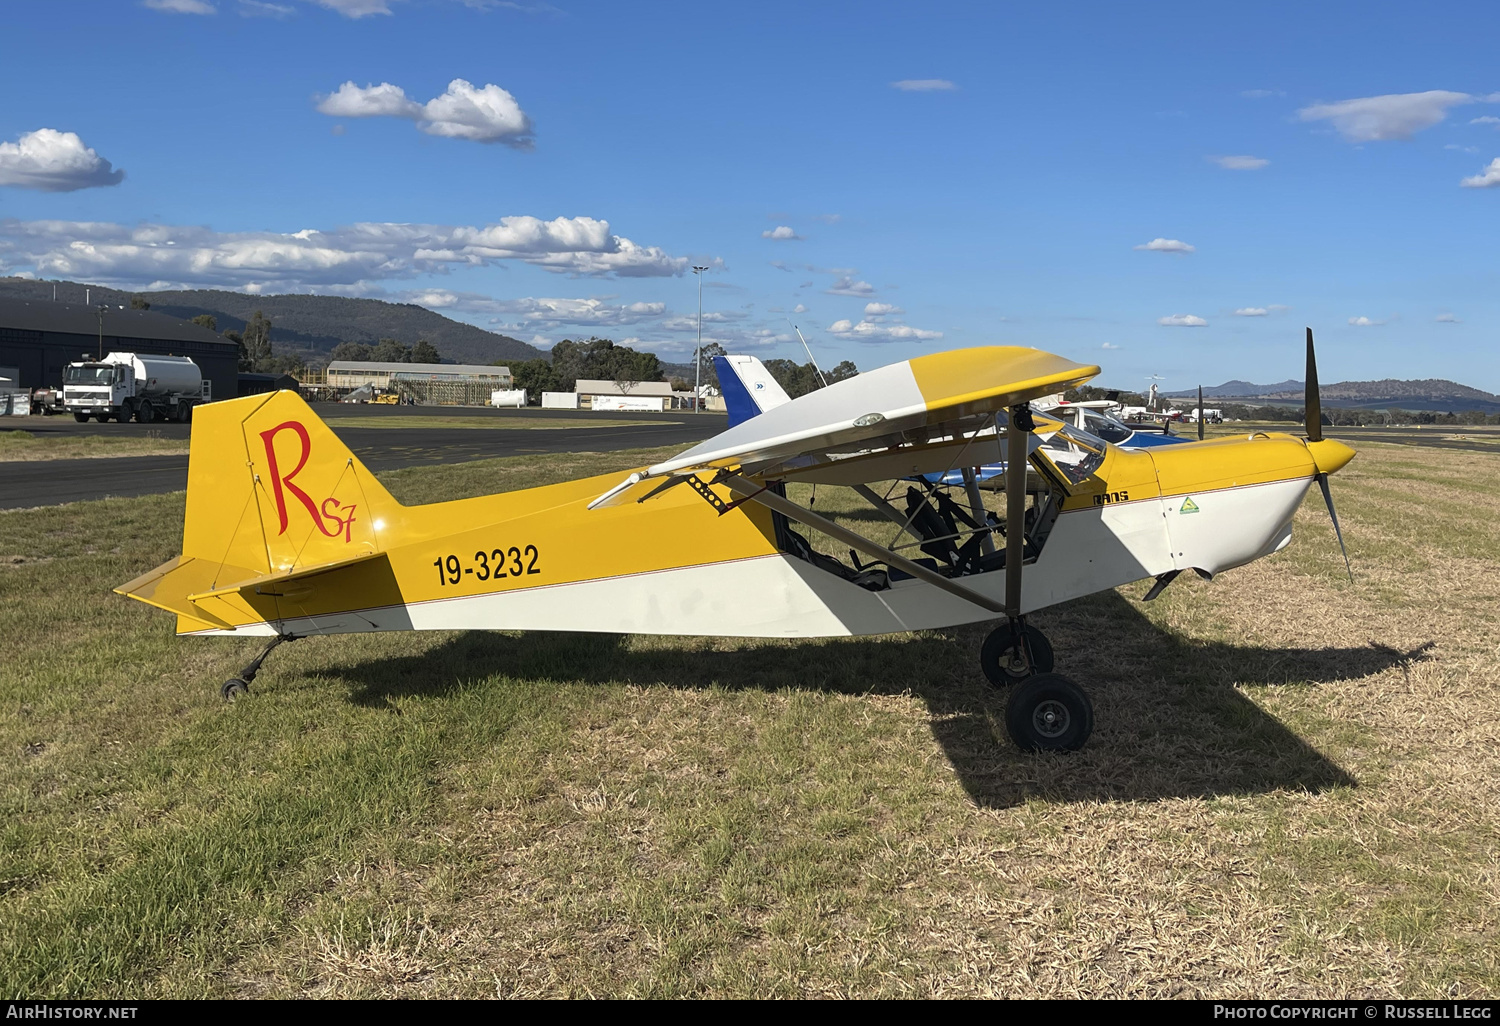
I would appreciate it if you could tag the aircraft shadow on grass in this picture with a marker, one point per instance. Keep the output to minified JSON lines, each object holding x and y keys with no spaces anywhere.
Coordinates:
{"x":1170,"y":721}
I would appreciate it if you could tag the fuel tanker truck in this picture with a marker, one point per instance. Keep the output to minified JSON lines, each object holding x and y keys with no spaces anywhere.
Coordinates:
{"x":139,"y":386}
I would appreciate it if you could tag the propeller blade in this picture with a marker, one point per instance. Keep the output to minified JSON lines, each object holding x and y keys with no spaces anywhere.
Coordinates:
{"x":1312,"y":401}
{"x":1328,"y":498}
{"x":1200,"y":413}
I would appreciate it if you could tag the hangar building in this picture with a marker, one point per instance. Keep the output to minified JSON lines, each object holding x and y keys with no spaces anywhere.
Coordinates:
{"x":39,"y":338}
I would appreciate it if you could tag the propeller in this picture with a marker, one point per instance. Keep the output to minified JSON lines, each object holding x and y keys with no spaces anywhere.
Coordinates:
{"x":1313,"y":407}
{"x":1200,"y":413}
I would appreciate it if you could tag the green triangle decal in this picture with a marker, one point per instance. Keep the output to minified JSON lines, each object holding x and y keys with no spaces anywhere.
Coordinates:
{"x":1188,"y":506}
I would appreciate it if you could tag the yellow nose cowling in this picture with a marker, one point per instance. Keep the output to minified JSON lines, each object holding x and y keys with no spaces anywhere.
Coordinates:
{"x":1329,"y":455}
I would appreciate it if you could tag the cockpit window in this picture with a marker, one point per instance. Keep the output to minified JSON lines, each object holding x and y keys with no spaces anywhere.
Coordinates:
{"x":1106,"y":427}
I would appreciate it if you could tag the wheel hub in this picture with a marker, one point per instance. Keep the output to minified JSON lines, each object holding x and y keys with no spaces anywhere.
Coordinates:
{"x":1050,"y":718}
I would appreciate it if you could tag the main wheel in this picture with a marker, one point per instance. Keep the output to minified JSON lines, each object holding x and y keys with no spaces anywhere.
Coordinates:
{"x":1003,"y":664}
{"x":1049,"y":713}
{"x":233,"y":688}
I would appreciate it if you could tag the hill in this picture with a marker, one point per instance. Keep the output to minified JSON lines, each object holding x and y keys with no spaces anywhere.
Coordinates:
{"x":309,"y":325}
{"x":1436,"y":394}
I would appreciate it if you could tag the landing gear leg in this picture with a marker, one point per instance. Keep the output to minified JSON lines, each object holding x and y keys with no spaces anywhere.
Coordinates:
{"x":234,"y":687}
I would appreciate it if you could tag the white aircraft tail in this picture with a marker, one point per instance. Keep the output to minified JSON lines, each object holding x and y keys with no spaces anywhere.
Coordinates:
{"x":749,"y":390}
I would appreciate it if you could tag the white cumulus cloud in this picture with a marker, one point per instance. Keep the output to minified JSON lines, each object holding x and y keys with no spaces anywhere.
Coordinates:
{"x":1109,"y":345}
{"x":1241,"y":163}
{"x":924,"y":85}
{"x":1182,"y":321}
{"x":1251,"y":311}
{"x":781,"y":231}
{"x":881,"y":309}
{"x":376,"y":101}
{"x":1447,"y":318}
{"x":1394,"y":116}
{"x":799,"y":308}
{"x":357,"y":8}
{"x":312,"y":259}
{"x":1486,"y":120}
{"x":1486,"y":179}
{"x":1365,"y":322}
{"x":867,"y":330}
{"x":181,"y":6}
{"x":54,"y":161}
{"x":482,"y":114}
{"x":847,"y":286}
{"x":1167,"y":246}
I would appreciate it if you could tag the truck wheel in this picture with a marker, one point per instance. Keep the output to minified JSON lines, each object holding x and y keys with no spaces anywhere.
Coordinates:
{"x":82,"y":418}
{"x":144,"y":414}
{"x":184,"y":413}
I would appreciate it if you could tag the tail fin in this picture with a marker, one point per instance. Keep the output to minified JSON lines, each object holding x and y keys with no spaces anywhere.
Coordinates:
{"x":272,"y":495}
{"x":749,"y":390}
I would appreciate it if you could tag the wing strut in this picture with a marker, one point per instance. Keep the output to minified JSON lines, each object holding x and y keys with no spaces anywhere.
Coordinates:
{"x":1018,"y":425}
{"x":769,"y":499}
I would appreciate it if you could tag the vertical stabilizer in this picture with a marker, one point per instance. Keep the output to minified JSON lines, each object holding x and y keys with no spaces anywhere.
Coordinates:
{"x":749,"y":390}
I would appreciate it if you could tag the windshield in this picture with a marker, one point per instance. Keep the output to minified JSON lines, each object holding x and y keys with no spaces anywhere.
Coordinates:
{"x":1106,"y":427}
{"x":88,"y":375}
{"x":1077,"y":454}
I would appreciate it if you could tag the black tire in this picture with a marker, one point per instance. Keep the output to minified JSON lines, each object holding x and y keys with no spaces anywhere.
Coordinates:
{"x":997,"y":656}
{"x":233,"y":688}
{"x":1049,"y":713}
{"x":82,"y":418}
{"x":144,"y":414}
{"x":102,"y":418}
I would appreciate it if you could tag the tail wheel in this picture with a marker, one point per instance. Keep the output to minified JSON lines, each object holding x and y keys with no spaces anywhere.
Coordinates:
{"x":234,"y":688}
{"x":1004,"y":662}
{"x":1049,"y":713}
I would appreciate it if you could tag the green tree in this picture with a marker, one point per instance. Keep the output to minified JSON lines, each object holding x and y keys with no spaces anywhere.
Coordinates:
{"x":208,"y":321}
{"x":424,"y":352}
{"x":536,"y":376}
{"x":709,"y":370}
{"x":601,"y":359}
{"x":255,"y":343}
{"x":390,"y":350}
{"x":139,"y":303}
{"x":351,"y":351}
{"x":801,"y":378}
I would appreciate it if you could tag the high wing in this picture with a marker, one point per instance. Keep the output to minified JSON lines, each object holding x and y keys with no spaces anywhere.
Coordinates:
{"x":933,"y":399}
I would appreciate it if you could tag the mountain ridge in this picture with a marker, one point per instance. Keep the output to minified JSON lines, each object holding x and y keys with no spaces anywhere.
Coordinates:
{"x":1437,"y":394}
{"x":308,"y":325}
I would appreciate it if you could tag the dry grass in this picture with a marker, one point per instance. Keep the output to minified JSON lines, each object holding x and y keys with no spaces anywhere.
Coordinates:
{"x":496,"y":421}
{"x":27,"y":445}
{"x":1292,"y":790}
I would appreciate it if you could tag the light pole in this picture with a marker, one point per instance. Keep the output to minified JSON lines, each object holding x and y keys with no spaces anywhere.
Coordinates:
{"x":698,"y":353}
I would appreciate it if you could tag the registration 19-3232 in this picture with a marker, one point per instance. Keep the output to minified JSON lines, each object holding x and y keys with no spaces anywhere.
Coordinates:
{"x":497,"y":563}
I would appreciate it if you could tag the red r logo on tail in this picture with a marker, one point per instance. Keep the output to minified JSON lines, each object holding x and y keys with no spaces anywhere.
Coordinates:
{"x":282,"y":483}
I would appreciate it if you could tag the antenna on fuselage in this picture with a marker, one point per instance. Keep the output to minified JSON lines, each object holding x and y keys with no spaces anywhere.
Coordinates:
{"x":810,"y":356}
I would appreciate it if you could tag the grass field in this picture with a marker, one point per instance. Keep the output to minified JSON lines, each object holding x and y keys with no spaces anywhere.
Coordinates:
{"x":496,"y":422}
{"x":27,"y":445}
{"x":1293,"y":789}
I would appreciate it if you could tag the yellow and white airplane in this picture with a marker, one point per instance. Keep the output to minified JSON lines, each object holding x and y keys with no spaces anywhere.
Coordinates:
{"x":288,"y":535}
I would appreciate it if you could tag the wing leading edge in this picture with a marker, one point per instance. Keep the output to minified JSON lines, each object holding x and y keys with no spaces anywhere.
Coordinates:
{"x":928,"y":396}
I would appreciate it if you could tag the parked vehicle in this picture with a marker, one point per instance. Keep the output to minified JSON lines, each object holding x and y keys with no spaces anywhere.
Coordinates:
{"x":134,"y":386}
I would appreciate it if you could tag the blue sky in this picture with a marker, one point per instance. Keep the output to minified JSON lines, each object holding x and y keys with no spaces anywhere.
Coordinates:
{"x":947,"y":174}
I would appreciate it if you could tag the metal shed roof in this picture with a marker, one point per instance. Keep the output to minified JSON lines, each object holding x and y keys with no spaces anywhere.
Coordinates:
{"x":119,"y":321}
